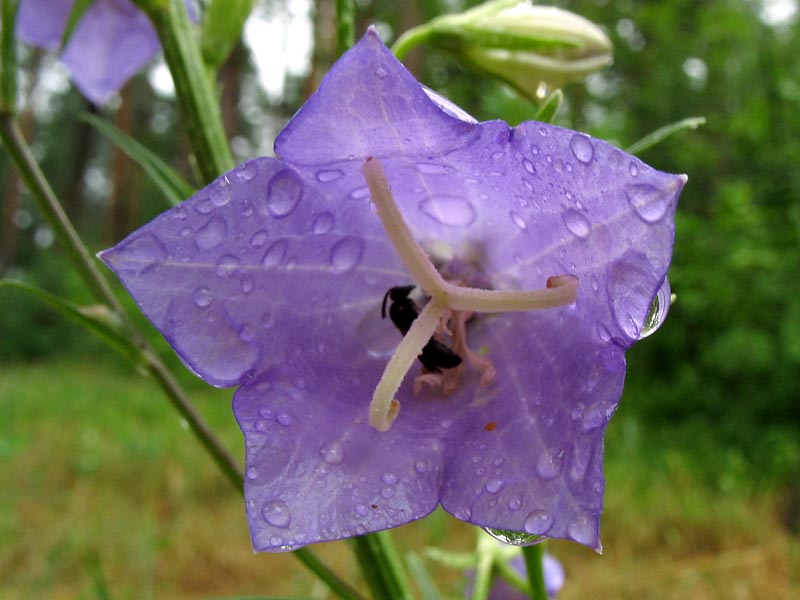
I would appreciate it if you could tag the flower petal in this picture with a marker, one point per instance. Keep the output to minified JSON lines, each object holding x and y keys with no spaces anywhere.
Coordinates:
{"x":257,"y":266}
{"x":316,"y":470}
{"x":368,"y":105}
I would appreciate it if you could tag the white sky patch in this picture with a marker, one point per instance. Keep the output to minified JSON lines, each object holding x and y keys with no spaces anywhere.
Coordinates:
{"x":778,"y":13}
{"x":281,"y":44}
{"x":160,"y":79}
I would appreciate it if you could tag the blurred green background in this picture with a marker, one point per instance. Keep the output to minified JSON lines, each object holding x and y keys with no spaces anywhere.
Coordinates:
{"x":104,"y":494}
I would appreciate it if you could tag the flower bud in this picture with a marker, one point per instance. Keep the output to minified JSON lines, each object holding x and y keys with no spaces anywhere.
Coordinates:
{"x":523,"y":44}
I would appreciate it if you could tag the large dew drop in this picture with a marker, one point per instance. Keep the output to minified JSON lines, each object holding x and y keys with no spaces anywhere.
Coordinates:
{"x":514,"y":538}
{"x":538,"y":522}
{"x":658,"y":311}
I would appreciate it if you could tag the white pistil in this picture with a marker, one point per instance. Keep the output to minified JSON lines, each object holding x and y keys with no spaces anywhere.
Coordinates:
{"x":561,"y":290}
{"x":384,"y":408}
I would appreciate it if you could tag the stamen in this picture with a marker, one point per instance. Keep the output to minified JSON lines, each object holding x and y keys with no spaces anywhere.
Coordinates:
{"x":414,"y":257}
{"x":560,"y":290}
{"x":384,"y":407}
{"x":448,"y":300}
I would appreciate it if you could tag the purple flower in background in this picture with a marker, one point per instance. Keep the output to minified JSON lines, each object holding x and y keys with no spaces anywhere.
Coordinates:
{"x":112,"y":41}
{"x":272,"y":278}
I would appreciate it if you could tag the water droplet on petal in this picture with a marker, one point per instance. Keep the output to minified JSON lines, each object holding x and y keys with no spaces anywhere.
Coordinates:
{"x":380,"y":72}
{"x":283,"y":419}
{"x":513,"y":538}
{"x":362,"y":510}
{"x":202,"y":296}
{"x":420,"y":466}
{"x":658,"y":311}
{"x":433,"y":169}
{"x":387,"y":492}
{"x":247,"y":171}
{"x":259,"y":238}
{"x":518,"y":221}
{"x":389,"y":478}
{"x":449,"y":210}
{"x":346,"y":253}
{"x":283,"y":194}
{"x":275,"y":254}
{"x":212,"y":234}
{"x":548,"y":466}
{"x":633,"y":169}
{"x":247,"y":283}
{"x":515,"y":503}
{"x":582,"y":148}
{"x":180,"y":213}
{"x":594,"y":417}
{"x":333,"y":454}
{"x":494,"y":486}
{"x":277,"y":513}
{"x":228,"y":264}
{"x":252,"y":473}
{"x":360,"y":192}
{"x":577,"y":224}
{"x":323,"y":223}
{"x":528,"y":166}
{"x":220,"y":193}
{"x":329,"y":175}
{"x":583,"y":530}
{"x":649,"y":202}
{"x":538,"y":522}
{"x":498,"y":154}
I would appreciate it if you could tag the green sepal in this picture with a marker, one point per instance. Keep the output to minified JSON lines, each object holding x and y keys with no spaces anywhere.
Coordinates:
{"x":660,"y":134}
{"x":168,"y":180}
{"x":222,"y":28}
{"x":98,"y":318}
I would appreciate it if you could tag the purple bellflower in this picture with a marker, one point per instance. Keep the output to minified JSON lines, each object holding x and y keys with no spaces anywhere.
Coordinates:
{"x":112,"y":41}
{"x":272,"y":278}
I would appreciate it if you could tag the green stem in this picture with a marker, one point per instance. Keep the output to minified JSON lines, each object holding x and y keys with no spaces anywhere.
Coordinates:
{"x":8,"y":56}
{"x":194,"y":89}
{"x":412,"y":37}
{"x":316,"y":566}
{"x":483,"y":575}
{"x":50,"y":207}
{"x":381,"y":566}
{"x":345,"y":25}
{"x":533,"y":564}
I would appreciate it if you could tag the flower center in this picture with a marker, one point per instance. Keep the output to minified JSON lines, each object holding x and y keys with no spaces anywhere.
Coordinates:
{"x":444,"y":296}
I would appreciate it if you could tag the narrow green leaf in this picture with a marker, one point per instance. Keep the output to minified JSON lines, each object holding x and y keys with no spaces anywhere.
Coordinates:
{"x":423,"y":579}
{"x":98,"y":319}
{"x":168,"y":180}
{"x":78,"y":9}
{"x":548,"y":109}
{"x":222,"y":28}
{"x":662,"y":133}
{"x":8,"y":56}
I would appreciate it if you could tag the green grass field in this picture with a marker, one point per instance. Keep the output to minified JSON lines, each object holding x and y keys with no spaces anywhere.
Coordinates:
{"x":105,"y":494}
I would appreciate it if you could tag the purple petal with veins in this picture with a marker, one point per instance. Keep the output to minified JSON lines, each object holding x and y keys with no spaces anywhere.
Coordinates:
{"x":271,"y":279}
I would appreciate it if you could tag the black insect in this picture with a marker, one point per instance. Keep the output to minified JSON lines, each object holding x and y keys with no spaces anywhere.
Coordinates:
{"x":435,"y":356}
